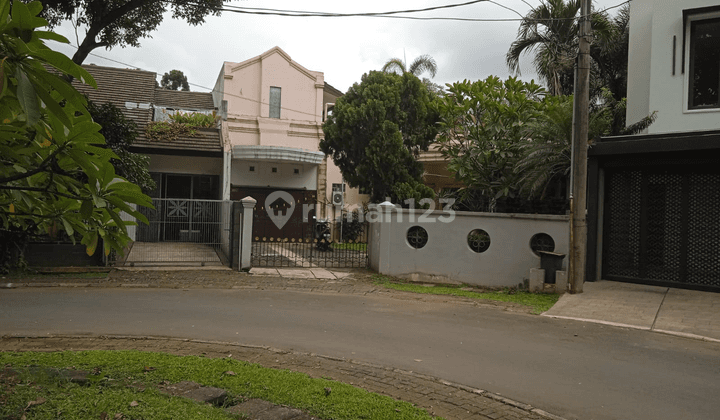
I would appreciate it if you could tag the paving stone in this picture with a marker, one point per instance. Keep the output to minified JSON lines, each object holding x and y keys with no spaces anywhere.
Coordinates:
{"x":207,"y":394}
{"x":197,"y":392}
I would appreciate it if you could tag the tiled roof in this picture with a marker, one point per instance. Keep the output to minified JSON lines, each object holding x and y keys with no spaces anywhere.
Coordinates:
{"x":184,"y":100}
{"x":134,"y":92}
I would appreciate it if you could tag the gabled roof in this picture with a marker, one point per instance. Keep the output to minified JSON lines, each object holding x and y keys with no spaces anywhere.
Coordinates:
{"x":274,"y":50}
{"x":135,"y":93}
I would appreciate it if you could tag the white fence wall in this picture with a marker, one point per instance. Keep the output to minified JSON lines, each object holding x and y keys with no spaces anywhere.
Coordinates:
{"x":447,"y":255}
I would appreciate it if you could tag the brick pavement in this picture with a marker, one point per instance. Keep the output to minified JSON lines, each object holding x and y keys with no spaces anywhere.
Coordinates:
{"x":438,"y":397}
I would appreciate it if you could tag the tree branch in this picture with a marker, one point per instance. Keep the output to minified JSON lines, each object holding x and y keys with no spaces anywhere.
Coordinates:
{"x":37,"y":170}
{"x":45,"y":190}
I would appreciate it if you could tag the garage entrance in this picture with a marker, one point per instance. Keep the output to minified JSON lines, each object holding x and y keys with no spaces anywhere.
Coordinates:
{"x":662,"y":225}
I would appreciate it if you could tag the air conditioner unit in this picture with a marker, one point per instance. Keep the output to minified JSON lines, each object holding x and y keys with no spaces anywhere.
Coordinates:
{"x":337,"y":198}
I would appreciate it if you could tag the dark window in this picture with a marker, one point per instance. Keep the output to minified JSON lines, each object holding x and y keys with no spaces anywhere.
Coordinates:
{"x":275,"y":102}
{"x":704,"y":64}
{"x":198,"y":187}
{"x":252,"y":169}
{"x":296,"y":171}
{"x":274,"y":170}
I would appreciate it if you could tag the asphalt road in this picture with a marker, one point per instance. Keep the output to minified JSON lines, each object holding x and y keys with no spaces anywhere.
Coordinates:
{"x":572,"y":369}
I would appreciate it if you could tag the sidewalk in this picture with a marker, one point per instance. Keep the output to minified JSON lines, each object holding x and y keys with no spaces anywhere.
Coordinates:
{"x":685,"y":313}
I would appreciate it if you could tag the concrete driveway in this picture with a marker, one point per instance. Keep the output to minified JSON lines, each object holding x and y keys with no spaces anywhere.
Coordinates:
{"x":687,"y":313}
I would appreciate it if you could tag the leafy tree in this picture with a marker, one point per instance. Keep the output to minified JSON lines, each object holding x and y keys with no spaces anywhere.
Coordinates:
{"x":483,"y":131}
{"x":120,"y":133}
{"x":55,"y":174}
{"x":422,"y":64}
{"x":551,"y":31}
{"x":610,"y":58}
{"x":174,"y":80}
{"x":376,"y":131}
{"x":111,"y":23}
{"x":547,"y":155}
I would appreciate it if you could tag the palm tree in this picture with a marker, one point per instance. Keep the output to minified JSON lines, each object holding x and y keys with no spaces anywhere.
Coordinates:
{"x":551,"y":30}
{"x":546,"y":157}
{"x":422,"y":64}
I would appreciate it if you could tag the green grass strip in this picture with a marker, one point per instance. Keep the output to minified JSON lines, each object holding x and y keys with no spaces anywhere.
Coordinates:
{"x":121,"y":367}
{"x":350,"y":246}
{"x":540,"y":302}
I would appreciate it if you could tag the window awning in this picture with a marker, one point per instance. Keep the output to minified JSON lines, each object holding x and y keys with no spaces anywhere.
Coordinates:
{"x":277,"y":154}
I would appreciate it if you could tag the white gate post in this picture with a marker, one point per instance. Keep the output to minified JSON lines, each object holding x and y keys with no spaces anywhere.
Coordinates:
{"x":245,"y":239}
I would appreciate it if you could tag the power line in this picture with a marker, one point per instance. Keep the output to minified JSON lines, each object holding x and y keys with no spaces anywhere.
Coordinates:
{"x":394,"y":14}
{"x":198,"y":86}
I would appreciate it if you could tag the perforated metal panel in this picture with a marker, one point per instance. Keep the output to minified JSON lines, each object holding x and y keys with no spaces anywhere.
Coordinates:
{"x":703,"y":259}
{"x":622,"y":235}
{"x":662,"y":226}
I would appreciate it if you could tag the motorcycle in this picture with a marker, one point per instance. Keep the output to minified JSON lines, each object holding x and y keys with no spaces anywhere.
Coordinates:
{"x":323,"y":237}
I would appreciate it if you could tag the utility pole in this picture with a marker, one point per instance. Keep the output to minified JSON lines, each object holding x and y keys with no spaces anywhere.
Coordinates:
{"x":578,"y":194}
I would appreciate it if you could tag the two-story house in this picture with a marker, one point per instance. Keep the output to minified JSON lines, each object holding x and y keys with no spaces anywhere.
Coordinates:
{"x":654,"y":199}
{"x":273,"y":109}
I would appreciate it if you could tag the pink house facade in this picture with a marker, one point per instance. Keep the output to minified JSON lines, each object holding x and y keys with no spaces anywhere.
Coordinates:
{"x":273,"y":109}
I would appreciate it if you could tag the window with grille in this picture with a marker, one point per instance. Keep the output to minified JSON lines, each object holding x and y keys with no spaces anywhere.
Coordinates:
{"x":275,"y":93}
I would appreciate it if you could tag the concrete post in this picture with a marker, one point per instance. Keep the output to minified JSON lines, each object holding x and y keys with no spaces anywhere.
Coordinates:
{"x":385,"y":209}
{"x":246,"y":227}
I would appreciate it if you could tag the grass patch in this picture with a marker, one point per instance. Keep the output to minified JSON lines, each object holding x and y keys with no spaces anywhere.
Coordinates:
{"x":350,"y":246}
{"x":110,"y":391}
{"x":540,"y":302}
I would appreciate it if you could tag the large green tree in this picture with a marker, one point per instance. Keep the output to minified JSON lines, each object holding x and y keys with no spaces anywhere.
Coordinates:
{"x":483,"y":131}
{"x":111,"y":23}
{"x":550,"y":31}
{"x":376,"y":131}
{"x":174,"y":80}
{"x":55,"y":174}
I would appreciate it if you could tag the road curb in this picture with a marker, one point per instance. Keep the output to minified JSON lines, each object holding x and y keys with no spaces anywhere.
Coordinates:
{"x":637,"y":327}
{"x":483,"y":393}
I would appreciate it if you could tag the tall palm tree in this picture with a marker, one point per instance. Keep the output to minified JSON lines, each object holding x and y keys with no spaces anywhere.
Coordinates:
{"x":422,"y":64}
{"x":551,"y":31}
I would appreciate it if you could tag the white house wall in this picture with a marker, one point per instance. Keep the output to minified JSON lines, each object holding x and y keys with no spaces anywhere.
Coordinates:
{"x":284,"y":178}
{"x":186,"y":165}
{"x":506,"y":263}
{"x":651,"y":83}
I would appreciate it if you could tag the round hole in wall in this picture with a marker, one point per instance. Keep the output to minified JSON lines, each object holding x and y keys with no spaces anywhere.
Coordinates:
{"x":417,"y":237}
{"x":542,"y":242}
{"x":478,"y":240}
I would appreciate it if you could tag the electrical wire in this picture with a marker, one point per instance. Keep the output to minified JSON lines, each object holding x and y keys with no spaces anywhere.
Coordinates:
{"x":198,"y":86}
{"x":393,"y":14}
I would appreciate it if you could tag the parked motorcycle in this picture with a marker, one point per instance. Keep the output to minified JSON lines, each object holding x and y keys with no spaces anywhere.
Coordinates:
{"x":323,"y":237}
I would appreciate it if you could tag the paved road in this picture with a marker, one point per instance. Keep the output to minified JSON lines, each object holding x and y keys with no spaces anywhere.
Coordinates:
{"x":573,"y":369}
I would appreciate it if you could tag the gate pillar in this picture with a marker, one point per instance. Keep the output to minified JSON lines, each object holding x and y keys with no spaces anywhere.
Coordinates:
{"x":244,"y":233}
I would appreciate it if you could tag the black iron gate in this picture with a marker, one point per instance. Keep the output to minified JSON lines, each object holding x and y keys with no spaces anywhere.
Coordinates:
{"x":663,"y":227}
{"x":296,"y":243}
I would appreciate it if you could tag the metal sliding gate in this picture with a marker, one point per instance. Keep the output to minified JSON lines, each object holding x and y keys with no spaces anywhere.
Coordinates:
{"x":663,"y":227}
{"x":183,"y":232}
{"x":295,"y":244}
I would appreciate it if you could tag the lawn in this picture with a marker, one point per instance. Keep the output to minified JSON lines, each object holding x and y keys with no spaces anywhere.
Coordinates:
{"x":540,"y":302}
{"x":123,"y":385}
{"x":350,"y":246}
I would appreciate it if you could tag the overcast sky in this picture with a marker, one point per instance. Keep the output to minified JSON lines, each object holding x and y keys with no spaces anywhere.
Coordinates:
{"x":342,"y":48}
